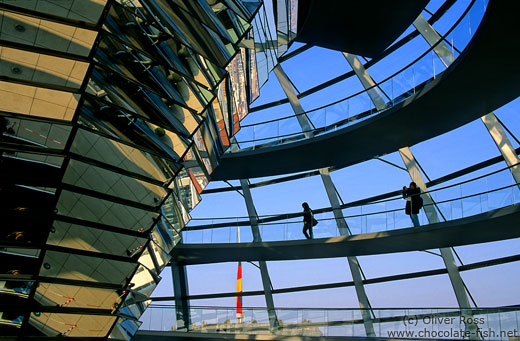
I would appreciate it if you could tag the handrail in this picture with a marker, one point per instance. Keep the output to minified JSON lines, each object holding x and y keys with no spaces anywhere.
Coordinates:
{"x":396,"y":209}
{"x":504,"y":308}
{"x":361,"y":215}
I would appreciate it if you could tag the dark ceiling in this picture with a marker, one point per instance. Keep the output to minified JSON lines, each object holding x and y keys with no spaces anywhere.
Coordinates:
{"x":361,"y":27}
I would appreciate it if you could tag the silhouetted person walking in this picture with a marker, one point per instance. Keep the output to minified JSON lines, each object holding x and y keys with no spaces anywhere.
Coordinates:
{"x":307,"y":221}
{"x":414,"y":202}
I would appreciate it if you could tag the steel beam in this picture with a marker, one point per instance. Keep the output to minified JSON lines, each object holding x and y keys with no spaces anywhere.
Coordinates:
{"x":334,"y":202}
{"x":432,"y":37}
{"x":287,"y":87}
{"x":504,"y":145}
{"x":446,"y":253}
{"x":353,"y":263}
{"x":181,"y":293}
{"x":257,"y":238}
{"x":366,"y":80}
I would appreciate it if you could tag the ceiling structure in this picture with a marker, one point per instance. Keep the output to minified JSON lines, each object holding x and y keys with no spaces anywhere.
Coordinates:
{"x":364,"y":28}
{"x":115,"y":116}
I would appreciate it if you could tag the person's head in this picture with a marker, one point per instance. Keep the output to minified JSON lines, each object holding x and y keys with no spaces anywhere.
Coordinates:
{"x":305,"y":206}
{"x":413,"y":185}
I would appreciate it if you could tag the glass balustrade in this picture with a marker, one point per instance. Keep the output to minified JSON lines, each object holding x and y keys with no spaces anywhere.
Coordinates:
{"x":414,"y":323}
{"x":358,"y":107}
{"x":471,"y":197}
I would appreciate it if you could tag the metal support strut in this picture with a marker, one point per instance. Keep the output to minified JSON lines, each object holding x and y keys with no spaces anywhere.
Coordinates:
{"x":446,"y":253}
{"x":180,"y":290}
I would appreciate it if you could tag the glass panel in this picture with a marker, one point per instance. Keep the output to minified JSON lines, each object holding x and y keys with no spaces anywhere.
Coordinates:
{"x":91,"y":239}
{"x":146,"y":260}
{"x":143,"y":282}
{"x":42,"y":133}
{"x":92,"y":269}
{"x":174,"y":212}
{"x":33,"y":101}
{"x":32,"y":253}
{"x":12,"y":318}
{"x":423,"y":323}
{"x":30,"y":66}
{"x":49,"y":294}
{"x":106,"y":212}
{"x":83,"y":10}
{"x":162,"y":238}
{"x":19,"y":288}
{"x":46,"y":159}
{"x":31,"y":31}
{"x":18,"y":266}
{"x":104,"y":181}
{"x":120,"y":155}
{"x":72,"y":325}
{"x":187,"y":191}
{"x":125,"y":329}
{"x":238,"y":77}
{"x":162,"y":257}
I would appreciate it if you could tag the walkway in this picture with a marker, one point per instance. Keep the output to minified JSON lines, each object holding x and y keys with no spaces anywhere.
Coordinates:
{"x":499,"y":224}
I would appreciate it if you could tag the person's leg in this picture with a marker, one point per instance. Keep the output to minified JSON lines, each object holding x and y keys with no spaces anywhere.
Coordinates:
{"x":310,"y":231}
{"x":415,"y":220}
{"x":305,"y":227}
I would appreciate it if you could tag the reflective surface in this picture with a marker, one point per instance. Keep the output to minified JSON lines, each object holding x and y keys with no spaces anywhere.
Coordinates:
{"x":113,"y":115}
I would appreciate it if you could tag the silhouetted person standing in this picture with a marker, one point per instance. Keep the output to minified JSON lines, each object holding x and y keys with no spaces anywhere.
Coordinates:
{"x":414,"y":202}
{"x":307,"y":221}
